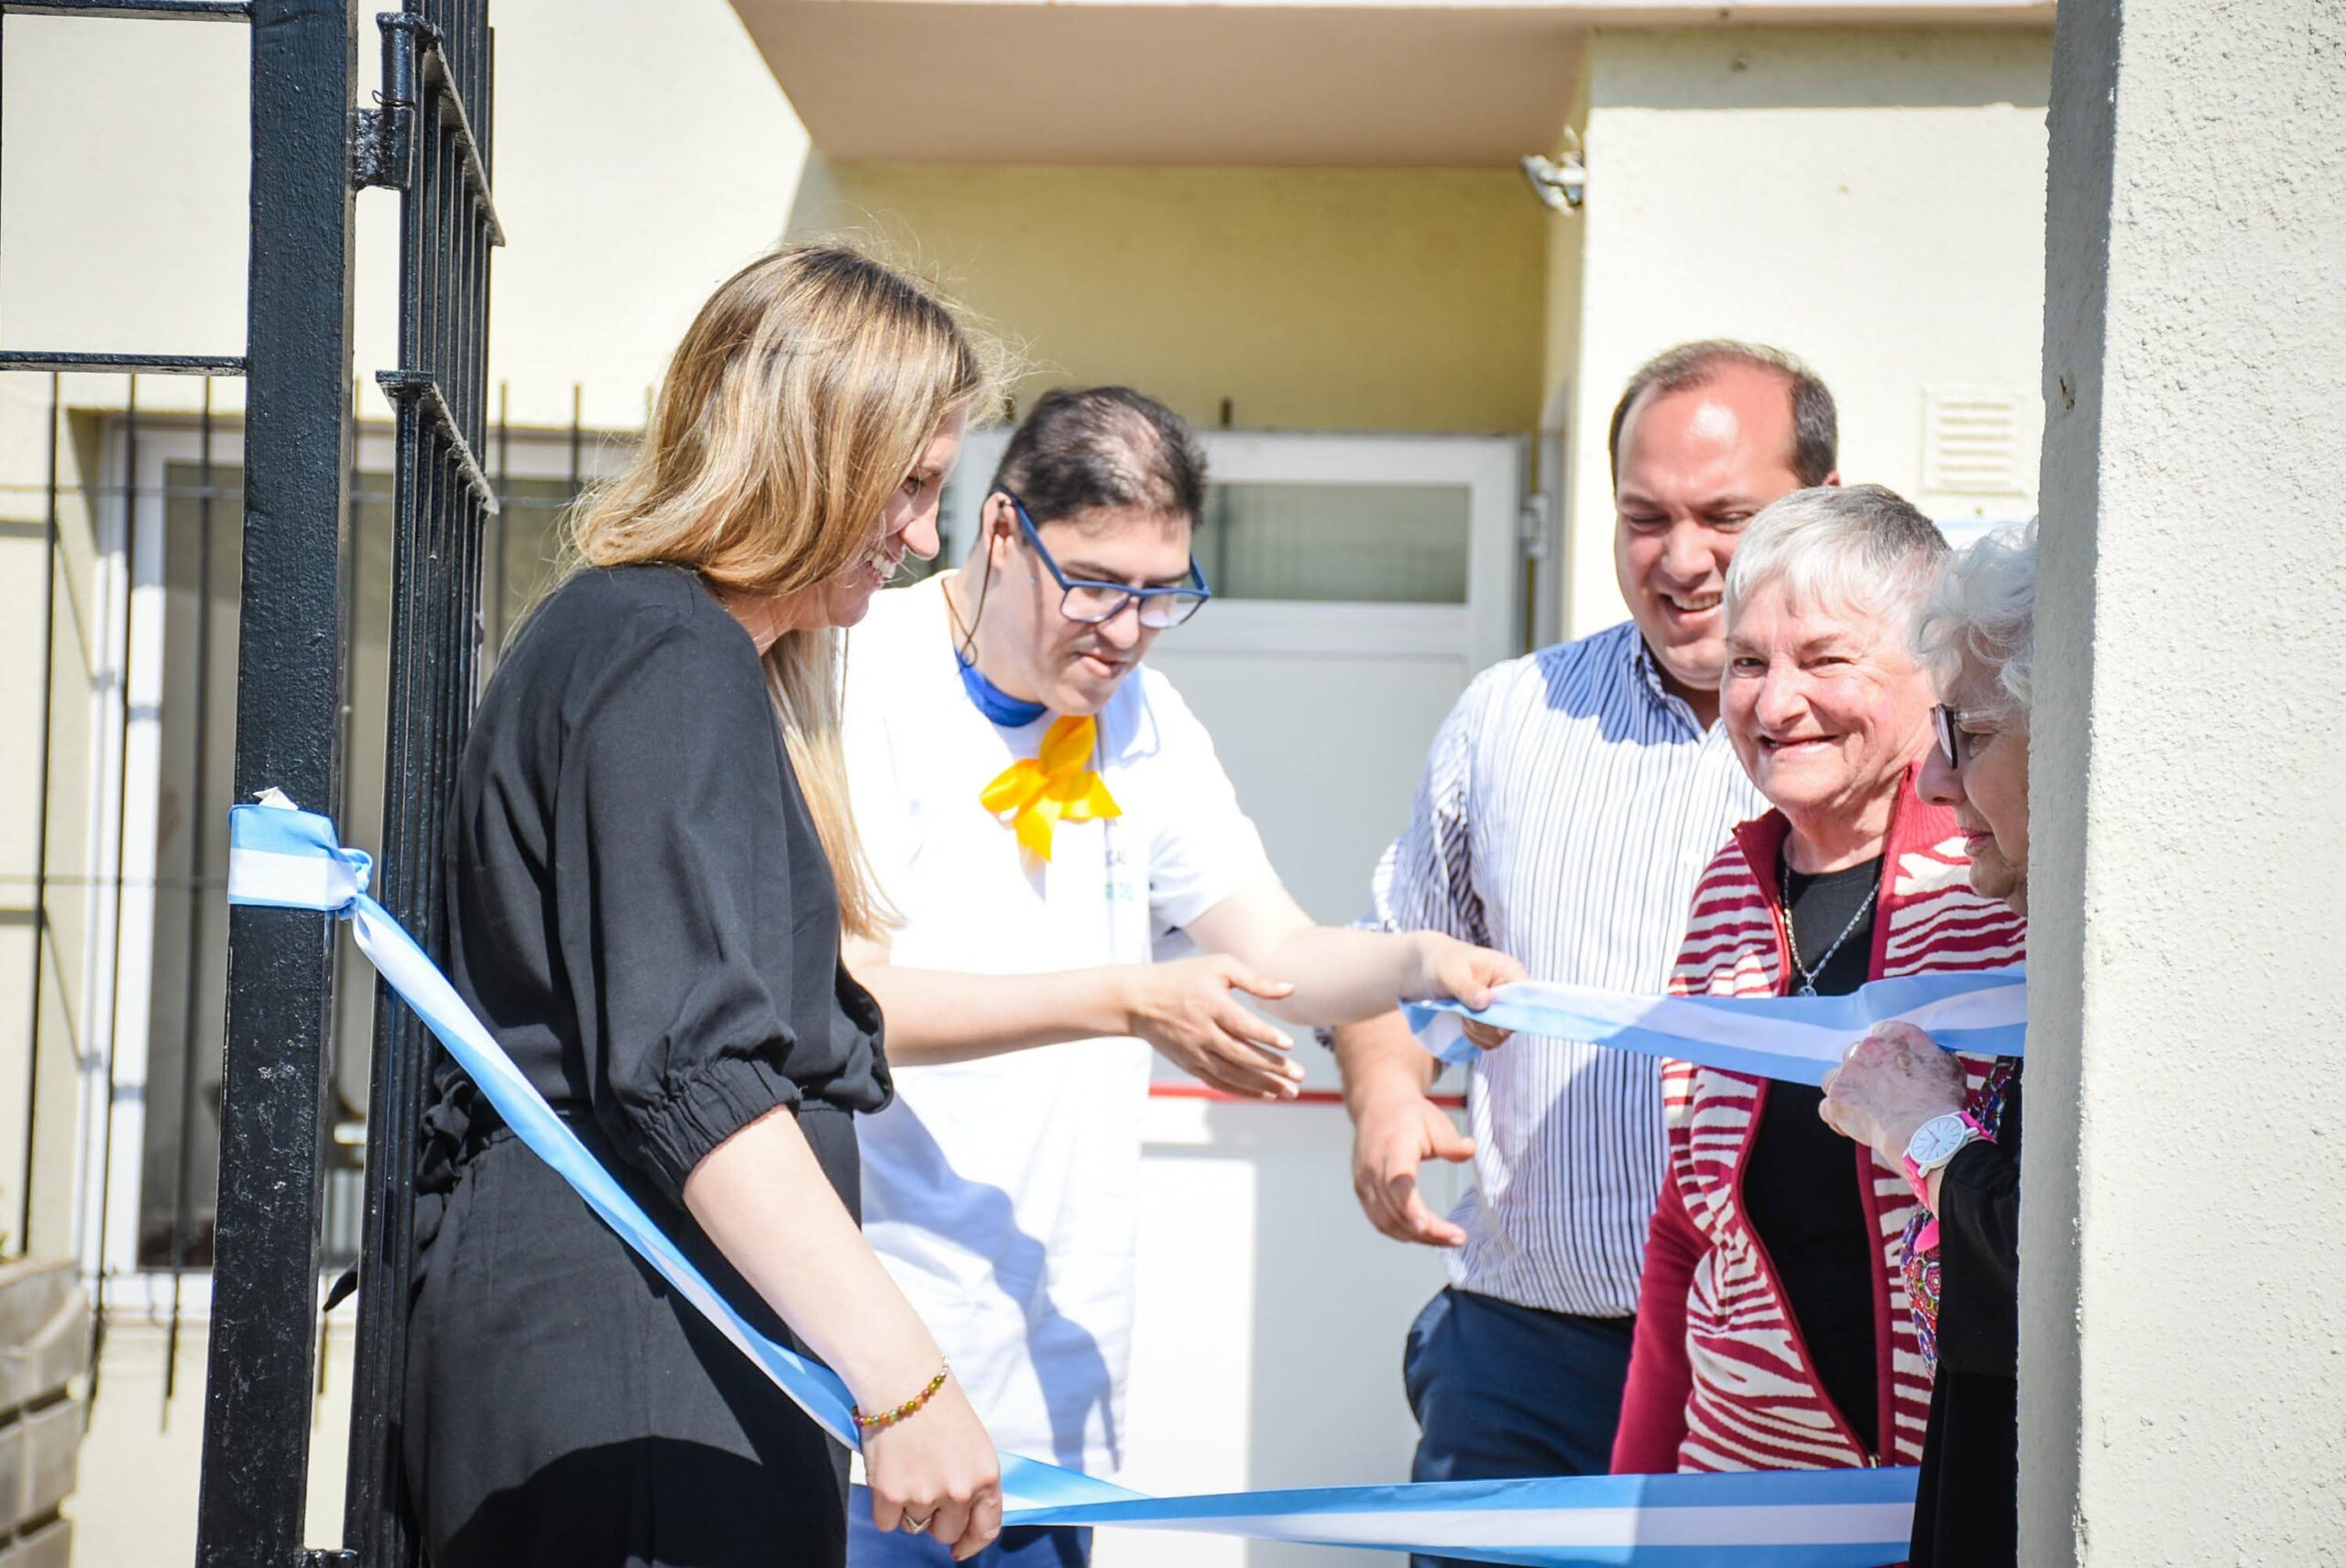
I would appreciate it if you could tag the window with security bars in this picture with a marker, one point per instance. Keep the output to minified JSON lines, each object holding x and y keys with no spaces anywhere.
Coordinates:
{"x":194,"y":722}
{"x":200,"y":557}
{"x":118,"y":890}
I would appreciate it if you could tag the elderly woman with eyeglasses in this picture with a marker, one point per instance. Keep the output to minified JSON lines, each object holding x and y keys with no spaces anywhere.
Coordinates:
{"x":1903,"y":1097}
{"x":1773,"y":1328}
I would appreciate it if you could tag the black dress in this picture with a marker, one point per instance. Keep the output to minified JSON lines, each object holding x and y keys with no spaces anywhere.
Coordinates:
{"x":640,"y":911}
{"x":1966,"y":1508}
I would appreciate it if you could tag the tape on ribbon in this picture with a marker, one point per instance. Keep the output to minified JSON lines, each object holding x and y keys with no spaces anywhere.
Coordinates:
{"x":1797,"y":1039}
{"x":283,"y":858}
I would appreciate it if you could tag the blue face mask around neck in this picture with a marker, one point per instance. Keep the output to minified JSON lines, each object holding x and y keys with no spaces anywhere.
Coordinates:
{"x":996,"y":703}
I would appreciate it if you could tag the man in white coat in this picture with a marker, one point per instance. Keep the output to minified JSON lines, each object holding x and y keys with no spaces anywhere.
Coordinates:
{"x":1039,"y":808}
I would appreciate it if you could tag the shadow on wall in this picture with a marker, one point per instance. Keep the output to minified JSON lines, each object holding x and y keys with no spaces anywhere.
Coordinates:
{"x":1331,"y":1304}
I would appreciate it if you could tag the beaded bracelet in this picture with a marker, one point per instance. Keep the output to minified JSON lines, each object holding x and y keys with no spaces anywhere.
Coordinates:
{"x":911,"y":1407}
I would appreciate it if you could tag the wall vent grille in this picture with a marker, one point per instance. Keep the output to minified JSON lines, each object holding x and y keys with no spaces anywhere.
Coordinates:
{"x":1971,"y":441}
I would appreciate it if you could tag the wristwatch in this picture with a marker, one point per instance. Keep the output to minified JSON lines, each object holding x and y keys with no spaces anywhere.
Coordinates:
{"x":1936,"y":1142}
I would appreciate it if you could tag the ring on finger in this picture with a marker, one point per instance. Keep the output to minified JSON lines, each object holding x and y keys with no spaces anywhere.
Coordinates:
{"x":912,"y":1526}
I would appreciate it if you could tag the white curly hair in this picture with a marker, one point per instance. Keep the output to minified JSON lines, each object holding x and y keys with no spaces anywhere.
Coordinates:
{"x":1982,"y":615}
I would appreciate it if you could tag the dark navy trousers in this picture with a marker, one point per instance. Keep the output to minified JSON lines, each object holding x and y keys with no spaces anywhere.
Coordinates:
{"x":1503,"y":1392}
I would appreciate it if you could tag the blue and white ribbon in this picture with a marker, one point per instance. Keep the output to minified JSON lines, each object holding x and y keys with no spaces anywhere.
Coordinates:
{"x":1795,"y":1519}
{"x":1797,"y":1039}
{"x":289,"y":858}
{"x":284,"y":857}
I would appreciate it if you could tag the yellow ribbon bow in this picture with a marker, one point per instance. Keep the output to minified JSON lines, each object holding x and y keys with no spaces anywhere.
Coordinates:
{"x":1054,"y":784}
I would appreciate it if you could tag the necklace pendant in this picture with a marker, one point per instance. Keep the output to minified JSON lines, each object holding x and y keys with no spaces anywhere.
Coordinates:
{"x":1807,"y":988}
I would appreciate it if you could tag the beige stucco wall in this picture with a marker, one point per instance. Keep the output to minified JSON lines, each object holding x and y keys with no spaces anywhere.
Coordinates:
{"x":1871,"y":200}
{"x":623,"y":207}
{"x":1308,"y":299}
{"x":2183,"y":1266}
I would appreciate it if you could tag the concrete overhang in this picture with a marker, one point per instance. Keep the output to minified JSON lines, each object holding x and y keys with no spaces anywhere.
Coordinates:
{"x":1343,"y":83}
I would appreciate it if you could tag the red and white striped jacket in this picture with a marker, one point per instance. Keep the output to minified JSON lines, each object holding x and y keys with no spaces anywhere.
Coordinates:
{"x":1720,"y":1377}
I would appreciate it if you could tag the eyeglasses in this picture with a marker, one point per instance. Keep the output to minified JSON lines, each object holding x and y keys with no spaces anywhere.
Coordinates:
{"x":1096,"y":604}
{"x":1950,"y":722}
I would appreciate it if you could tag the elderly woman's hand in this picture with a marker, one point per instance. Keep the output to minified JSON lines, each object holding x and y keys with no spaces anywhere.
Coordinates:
{"x":1888,"y":1085}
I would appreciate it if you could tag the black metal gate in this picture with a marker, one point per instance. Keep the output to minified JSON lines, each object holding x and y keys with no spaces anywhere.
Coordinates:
{"x":432,"y":141}
{"x":313,"y":149}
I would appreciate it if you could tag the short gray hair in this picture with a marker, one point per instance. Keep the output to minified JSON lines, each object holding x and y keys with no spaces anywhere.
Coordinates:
{"x":1981,"y":613}
{"x":1864,"y":545}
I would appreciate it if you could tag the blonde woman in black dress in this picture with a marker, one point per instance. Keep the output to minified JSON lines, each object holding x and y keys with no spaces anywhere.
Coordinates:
{"x":650,"y":864}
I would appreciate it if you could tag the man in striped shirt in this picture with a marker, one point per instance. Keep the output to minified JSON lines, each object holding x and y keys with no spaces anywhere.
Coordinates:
{"x":1569,"y":804}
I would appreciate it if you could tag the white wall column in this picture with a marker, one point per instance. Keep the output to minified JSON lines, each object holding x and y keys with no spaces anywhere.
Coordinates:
{"x":2182,"y":1281}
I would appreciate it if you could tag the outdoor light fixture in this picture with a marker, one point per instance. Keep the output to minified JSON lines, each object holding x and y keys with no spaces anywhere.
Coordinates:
{"x":1560,"y":185}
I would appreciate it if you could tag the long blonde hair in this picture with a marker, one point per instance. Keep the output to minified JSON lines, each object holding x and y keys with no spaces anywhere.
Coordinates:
{"x":804,"y":391}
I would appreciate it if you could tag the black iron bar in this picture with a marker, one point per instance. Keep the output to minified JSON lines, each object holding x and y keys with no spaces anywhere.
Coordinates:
{"x":290,"y":681}
{"x":476,"y":280}
{"x":416,"y":71}
{"x":484,"y":74}
{"x":373,"y":1524}
{"x":109,"y":490}
{"x":444,"y":500}
{"x":354,"y":588}
{"x":451,"y":108}
{"x":503,"y":542}
{"x":32,"y":359}
{"x":199,"y":902}
{"x":352,"y":585}
{"x":162,"y":883}
{"x":435,"y":258}
{"x":40,"y":826}
{"x":404,"y":386}
{"x":136,"y":10}
{"x":464,"y":358}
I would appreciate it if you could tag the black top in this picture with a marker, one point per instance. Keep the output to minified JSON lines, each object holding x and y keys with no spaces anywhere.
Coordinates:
{"x":639,"y":908}
{"x":1800,"y":1177}
{"x":1966,"y":1508}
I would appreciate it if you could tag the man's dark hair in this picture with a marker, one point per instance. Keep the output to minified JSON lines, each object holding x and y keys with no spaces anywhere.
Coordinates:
{"x":1817,"y":438}
{"x":1083,"y":447}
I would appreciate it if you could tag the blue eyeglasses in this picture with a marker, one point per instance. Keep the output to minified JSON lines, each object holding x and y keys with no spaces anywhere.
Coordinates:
{"x":1096,"y":604}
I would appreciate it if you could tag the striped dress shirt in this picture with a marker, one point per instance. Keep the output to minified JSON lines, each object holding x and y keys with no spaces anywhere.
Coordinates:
{"x":1568,"y":808}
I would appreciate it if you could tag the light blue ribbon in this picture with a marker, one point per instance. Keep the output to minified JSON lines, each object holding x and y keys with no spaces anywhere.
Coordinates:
{"x":1797,"y":1039}
{"x":284,"y":857}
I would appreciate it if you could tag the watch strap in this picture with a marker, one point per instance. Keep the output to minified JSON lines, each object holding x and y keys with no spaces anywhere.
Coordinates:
{"x":1918,"y":1176}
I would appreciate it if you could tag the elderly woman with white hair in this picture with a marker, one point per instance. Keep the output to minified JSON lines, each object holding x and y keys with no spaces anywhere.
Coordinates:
{"x":1773,"y":1328}
{"x":1904,"y":1098}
